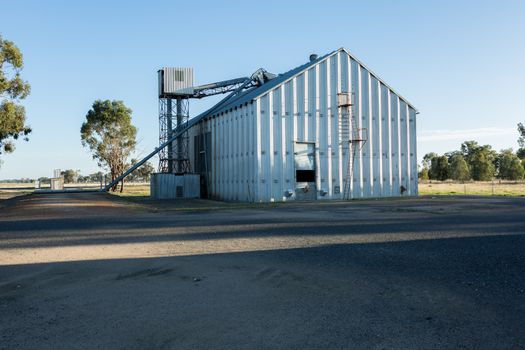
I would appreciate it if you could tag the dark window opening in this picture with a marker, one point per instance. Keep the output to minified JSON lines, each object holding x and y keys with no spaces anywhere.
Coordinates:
{"x":202,"y":156}
{"x":305,"y":175}
{"x":202,"y":160}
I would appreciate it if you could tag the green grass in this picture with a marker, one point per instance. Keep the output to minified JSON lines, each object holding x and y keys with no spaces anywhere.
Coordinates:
{"x":133,"y":190}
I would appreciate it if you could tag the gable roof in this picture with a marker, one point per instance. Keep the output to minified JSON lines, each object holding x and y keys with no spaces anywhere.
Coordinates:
{"x":248,"y":96}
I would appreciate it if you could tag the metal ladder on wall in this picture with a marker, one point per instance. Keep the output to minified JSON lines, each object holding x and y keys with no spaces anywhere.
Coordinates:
{"x":350,"y":138}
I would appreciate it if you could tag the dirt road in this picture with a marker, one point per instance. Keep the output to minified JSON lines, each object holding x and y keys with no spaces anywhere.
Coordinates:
{"x":92,"y":271}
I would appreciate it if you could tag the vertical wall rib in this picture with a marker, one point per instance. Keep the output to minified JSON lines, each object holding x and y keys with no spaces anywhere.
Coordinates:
{"x":252,"y":155}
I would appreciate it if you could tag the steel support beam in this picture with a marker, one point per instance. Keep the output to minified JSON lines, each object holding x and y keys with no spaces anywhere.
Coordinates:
{"x":169,"y":131}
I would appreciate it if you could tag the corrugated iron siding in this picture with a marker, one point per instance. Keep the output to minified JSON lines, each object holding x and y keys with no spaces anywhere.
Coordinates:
{"x":175,"y":80}
{"x":233,"y":170}
{"x":253,"y":144}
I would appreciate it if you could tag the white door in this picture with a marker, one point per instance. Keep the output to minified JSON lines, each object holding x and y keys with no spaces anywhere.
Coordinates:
{"x":304,"y":159}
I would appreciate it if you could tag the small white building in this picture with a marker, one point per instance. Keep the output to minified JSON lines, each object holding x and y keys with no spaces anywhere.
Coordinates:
{"x":283,"y":140}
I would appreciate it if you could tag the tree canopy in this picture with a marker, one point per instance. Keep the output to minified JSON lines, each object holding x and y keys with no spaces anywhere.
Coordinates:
{"x":12,"y":89}
{"x":473,"y":161}
{"x":143,"y":172}
{"x":521,"y":141}
{"x":109,"y":134}
{"x":510,"y":166}
{"x":459,"y":169}
{"x":70,"y":175}
{"x":427,"y":159}
{"x":439,"y":168}
{"x":480,"y":159}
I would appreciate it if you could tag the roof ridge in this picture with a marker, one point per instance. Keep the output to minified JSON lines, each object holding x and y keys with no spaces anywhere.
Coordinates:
{"x":282,"y":78}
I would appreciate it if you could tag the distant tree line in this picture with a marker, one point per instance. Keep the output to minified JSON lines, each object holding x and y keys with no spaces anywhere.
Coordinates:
{"x":18,"y":181}
{"x":142,"y":174}
{"x":476,"y":162}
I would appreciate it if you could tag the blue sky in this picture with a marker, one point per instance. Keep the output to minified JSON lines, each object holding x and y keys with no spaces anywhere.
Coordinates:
{"x":461,"y":63}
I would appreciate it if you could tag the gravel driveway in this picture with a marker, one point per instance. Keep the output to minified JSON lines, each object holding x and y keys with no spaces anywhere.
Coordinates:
{"x":93,"y":271}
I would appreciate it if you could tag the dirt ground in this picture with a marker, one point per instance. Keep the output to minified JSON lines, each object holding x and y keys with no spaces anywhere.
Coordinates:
{"x":97,"y":271}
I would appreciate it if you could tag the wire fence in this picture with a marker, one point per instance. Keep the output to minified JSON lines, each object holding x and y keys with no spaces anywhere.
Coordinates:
{"x":473,"y":188}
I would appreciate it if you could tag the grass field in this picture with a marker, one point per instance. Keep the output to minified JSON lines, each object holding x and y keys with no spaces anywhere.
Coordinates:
{"x":10,"y":193}
{"x":133,"y":190}
{"x":10,"y":190}
{"x":497,"y":188}
{"x":503,"y":188}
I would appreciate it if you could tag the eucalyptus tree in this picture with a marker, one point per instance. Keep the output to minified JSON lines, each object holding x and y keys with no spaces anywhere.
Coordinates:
{"x":110,"y":136}
{"x":13,"y":89}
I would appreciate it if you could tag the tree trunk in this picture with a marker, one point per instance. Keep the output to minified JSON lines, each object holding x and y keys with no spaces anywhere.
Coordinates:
{"x":113,"y":177}
{"x":122,"y":186}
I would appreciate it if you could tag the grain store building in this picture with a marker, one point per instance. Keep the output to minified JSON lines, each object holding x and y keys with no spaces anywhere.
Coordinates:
{"x":329,"y":129}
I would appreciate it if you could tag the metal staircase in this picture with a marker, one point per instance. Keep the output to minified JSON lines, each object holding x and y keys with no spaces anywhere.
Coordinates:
{"x":351,"y":138}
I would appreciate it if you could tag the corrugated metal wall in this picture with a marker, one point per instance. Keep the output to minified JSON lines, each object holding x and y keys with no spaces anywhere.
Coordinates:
{"x":233,"y":173}
{"x":173,"y":80}
{"x":170,"y":186}
{"x":253,"y":145}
